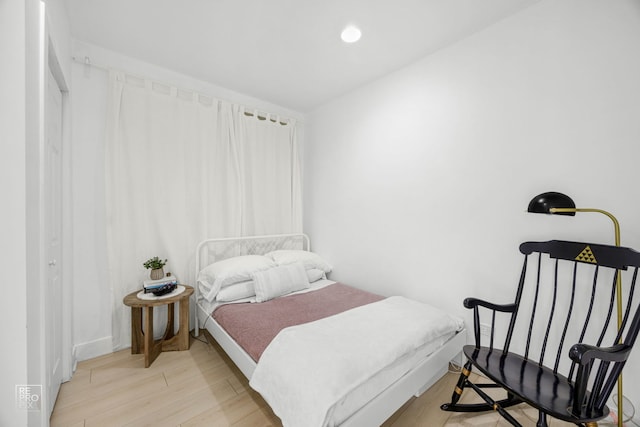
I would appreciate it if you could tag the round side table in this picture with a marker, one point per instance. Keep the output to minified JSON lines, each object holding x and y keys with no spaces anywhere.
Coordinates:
{"x":142,"y":341}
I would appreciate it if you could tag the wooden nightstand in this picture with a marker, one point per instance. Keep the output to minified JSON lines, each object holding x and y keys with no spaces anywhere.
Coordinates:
{"x":142,"y":342}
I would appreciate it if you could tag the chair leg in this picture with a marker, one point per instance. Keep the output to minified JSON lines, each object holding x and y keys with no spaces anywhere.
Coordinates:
{"x":498,"y":405}
{"x":462,"y":380}
{"x":542,"y":419}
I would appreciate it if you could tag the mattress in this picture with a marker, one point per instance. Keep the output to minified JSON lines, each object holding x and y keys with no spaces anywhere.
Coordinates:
{"x":254,"y":327}
{"x":319,"y":373}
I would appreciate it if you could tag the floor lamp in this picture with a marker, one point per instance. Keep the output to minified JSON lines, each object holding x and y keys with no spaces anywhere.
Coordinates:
{"x":561,"y":204}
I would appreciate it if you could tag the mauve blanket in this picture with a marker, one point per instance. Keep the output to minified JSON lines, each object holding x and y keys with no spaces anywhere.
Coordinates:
{"x":254,"y":325}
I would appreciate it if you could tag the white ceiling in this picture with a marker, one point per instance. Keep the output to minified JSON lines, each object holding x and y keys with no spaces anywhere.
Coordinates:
{"x":287,"y":52}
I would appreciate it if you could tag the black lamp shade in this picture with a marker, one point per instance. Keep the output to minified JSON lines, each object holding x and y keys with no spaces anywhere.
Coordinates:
{"x":545,"y":201}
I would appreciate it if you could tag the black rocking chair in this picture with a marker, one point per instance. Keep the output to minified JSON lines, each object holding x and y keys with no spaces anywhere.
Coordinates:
{"x":566,"y":337}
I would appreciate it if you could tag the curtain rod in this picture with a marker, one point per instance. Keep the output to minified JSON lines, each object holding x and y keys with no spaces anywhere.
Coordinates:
{"x":261,"y":115}
{"x":87,"y":61}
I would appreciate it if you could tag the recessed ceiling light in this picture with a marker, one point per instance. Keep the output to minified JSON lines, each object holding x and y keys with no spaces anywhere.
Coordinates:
{"x":350,"y":34}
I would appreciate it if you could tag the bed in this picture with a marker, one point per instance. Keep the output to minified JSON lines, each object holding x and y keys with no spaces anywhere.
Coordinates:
{"x":348,"y":357}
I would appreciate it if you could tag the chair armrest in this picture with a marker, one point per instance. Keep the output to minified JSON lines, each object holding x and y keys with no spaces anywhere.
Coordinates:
{"x":474,"y":302}
{"x":584,"y":353}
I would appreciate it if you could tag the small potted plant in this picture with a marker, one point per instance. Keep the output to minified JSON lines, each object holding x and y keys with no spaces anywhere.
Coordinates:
{"x":155,"y":264}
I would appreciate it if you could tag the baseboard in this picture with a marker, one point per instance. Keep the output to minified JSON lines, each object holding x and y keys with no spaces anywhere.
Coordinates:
{"x":91,"y":349}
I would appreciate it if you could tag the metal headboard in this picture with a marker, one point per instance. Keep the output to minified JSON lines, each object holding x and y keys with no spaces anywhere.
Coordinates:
{"x":217,"y":249}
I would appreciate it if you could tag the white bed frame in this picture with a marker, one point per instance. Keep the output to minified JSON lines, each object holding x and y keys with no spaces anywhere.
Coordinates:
{"x":375,"y":412}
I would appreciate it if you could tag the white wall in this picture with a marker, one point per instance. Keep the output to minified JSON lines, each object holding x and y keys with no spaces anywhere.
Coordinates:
{"x":418,"y":184}
{"x":92,"y":296}
{"x":13,"y":369}
{"x":21,"y":123}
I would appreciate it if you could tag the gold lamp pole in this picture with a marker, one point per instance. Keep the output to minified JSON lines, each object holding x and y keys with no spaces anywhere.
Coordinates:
{"x":561,"y":204}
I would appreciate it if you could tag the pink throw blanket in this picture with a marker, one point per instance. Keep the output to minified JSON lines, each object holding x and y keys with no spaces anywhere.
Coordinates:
{"x":253,"y":326}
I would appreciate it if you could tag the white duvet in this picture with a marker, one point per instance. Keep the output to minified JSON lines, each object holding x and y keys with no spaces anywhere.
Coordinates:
{"x":308,"y":369}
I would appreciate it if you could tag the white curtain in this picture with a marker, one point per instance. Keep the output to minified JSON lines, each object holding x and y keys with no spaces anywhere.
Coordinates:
{"x":270,"y":174}
{"x":182,"y":167}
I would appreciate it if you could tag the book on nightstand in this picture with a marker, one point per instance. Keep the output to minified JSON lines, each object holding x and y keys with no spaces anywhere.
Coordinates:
{"x":154,"y":285}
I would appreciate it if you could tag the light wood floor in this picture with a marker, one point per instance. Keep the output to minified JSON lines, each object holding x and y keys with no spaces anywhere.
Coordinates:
{"x":202,"y":387}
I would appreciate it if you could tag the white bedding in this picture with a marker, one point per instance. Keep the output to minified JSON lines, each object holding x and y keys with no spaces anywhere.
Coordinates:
{"x":308,"y":372}
{"x":208,"y":307}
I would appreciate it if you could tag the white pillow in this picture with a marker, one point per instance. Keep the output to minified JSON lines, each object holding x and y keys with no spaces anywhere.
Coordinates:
{"x":247,"y":289}
{"x":229,"y":271}
{"x":236,"y":291}
{"x":308,"y":259}
{"x":315,"y":274}
{"x":279,"y":281}
{"x":204,"y":288}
